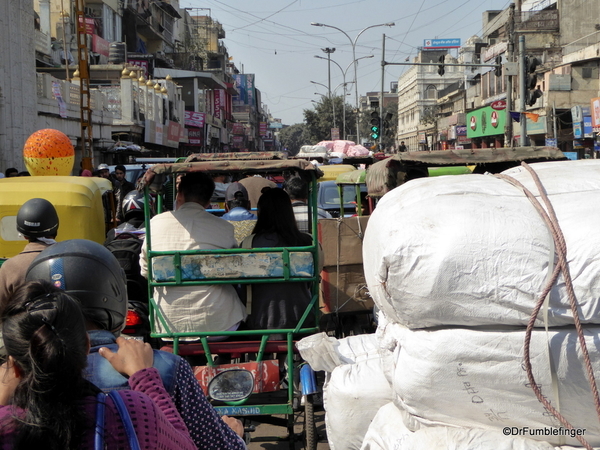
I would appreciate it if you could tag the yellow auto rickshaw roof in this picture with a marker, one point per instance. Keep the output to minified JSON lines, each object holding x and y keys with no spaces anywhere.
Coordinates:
{"x":17,"y":190}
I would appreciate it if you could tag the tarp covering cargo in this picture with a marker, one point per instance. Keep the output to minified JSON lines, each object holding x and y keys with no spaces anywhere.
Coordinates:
{"x":472,"y":249}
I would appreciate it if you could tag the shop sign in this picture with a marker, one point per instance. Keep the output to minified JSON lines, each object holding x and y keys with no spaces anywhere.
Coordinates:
{"x":173,"y":132}
{"x":263,"y":128}
{"x":90,"y":25}
{"x":441,"y":43}
{"x":485,"y":122}
{"x":461,"y":130}
{"x":551,"y":142}
{"x":577,"y":130}
{"x":195,"y":136}
{"x":498,"y":105}
{"x":194,"y":119}
{"x":588,"y":131}
{"x":422,"y":138}
{"x":142,"y":63}
{"x":100,"y":45}
{"x":571,"y":155}
{"x":577,"y":144}
{"x":238,"y":128}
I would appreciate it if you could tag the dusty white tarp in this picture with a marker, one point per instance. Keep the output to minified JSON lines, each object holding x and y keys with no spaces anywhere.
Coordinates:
{"x":472,"y":250}
{"x":475,"y":378}
{"x":355,"y":388}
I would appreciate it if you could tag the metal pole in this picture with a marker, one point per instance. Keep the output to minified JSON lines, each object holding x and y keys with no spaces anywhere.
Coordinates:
{"x":381,"y":128}
{"x":508,"y":127}
{"x":522,"y":92}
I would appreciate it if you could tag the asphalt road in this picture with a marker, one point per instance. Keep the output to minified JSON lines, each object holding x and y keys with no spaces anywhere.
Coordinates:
{"x":272,"y":437}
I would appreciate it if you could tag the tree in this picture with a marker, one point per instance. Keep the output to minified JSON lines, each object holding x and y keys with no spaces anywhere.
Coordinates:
{"x":319,"y":121}
{"x":294,"y":137}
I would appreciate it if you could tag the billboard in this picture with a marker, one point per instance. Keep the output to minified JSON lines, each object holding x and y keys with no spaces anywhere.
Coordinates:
{"x":433,"y":44}
{"x":485,"y":122}
{"x":595,"y":110}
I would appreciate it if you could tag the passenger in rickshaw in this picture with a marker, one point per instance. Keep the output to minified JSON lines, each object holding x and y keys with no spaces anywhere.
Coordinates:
{"x":103,"y":300}
{"x":277,"y":305}
{"x":37,"y":221}
{"x":255,"y":184}
{"x":237,"y":207}
{"x":297,"y":189}
{"x":190,"y":227}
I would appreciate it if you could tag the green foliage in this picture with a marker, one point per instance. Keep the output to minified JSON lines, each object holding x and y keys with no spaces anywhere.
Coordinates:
{"x":294,"y":137}
{"x":320,"y":120}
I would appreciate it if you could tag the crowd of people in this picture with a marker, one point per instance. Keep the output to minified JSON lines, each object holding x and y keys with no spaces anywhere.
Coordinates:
{"x":63,"y":306}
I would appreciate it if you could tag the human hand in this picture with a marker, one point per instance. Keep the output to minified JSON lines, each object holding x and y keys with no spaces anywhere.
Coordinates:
{"x":132,"y":356}
{"x":235,"y":425}
{"x":8,"y":382}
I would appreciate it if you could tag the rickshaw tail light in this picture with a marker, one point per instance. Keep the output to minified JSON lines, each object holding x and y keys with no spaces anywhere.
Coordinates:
{"x":133,"y":319}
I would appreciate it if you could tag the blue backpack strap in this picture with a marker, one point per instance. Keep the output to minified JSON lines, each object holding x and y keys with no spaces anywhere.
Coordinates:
{"x":99,"y":430}
{"x":126,"y":419}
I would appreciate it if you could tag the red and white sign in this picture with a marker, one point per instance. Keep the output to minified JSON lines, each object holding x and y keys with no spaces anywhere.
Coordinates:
{"x":498,"y":105}
{"x":90,"y":25}
{"x":473,"y":123}
{"x":143,"y":63}
{"x":100,"y":45}
{"x":494,"y":119}
{"x":195,"y":136}
{"x":194,"y":119}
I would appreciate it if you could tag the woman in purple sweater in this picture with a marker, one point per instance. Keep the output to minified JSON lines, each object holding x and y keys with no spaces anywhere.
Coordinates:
{"x":46,"y":401}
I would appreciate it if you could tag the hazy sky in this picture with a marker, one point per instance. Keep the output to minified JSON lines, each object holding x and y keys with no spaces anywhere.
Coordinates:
{"x":274,"y":39}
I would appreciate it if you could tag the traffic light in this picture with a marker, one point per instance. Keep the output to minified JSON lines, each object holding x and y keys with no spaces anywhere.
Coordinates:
{"x":441,"y":69}
{"x":498,"y":68}
{"x":531,"y":82}
{"x":387,"y":125}
{"x":375,"y":125}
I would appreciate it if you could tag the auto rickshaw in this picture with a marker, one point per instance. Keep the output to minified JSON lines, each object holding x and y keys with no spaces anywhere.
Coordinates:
{"x":249,"y":350}
{"x":78,"y":202}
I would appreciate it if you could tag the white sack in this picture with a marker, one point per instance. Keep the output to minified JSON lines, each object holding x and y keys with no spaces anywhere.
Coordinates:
{"x":324,"y":352}
{"x":388,"y":432}
{"x":473,"y":378}
{"x":354,"y":393}
{"x":471,"y":249}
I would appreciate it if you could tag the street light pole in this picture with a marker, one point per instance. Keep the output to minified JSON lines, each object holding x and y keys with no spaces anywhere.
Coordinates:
{"x":354,"y":60}
{"x":344,"y":72}
{"x":329,"y":51}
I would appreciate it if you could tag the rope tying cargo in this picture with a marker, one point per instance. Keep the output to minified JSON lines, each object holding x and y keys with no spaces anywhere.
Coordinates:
{"x":549,"y":216}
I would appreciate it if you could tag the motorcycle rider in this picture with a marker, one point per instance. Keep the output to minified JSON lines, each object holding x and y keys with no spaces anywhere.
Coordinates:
{"x":37,"y":221}
{"x":103,"y":298}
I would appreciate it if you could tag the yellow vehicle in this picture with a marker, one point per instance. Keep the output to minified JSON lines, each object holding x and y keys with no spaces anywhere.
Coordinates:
{"x":331,"y":172}
{"x":78,"y":202}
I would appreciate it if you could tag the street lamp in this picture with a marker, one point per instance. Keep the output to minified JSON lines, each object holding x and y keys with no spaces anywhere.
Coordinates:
{"x":353,"y":43}
{"x":329,"y":51}
{"x":344,"y":84}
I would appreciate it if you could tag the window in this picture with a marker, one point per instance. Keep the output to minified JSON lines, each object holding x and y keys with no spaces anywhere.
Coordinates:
{"x":431,"y":92}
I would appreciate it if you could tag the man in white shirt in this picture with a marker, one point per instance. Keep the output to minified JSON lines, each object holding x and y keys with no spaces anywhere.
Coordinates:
{"x":191,"y":227}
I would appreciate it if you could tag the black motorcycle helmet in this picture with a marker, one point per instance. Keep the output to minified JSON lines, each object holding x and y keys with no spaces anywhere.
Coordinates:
{"x":133,"y":205}
{"x":37,"y":218}
{"x":89,"y":272}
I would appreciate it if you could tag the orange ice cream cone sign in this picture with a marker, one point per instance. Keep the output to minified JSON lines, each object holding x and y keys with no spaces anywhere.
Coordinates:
{"x":49,"y":152}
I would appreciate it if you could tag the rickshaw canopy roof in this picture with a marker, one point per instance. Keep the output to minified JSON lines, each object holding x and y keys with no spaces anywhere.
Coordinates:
{"x":155,"y":176}
{"x":354,"y":177}
{"x":385,"y":175}
{"x":239,"y":156}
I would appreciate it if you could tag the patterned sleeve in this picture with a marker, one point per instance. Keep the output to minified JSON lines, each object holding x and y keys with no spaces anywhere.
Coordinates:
{"x":168,"y":430}
{"x":204,"y":423}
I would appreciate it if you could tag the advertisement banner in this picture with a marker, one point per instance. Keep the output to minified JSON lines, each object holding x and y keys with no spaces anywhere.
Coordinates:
{"x":90,"y":25}
{"x":219,"y":103}
{"x":588,"y":131}
{"x":238,"y":128}
{"x":173,"y":131}
{"x":142,"y":63}
{"x":195,"y":136}
{"x":441,"y":43}
{"x":159,"y":131}
{"x":194,"y":119}
{"x":240,"y":86}
{"x":100,"y":45}
{"x":263,"y":128}
{"x":485,"y":121}
{"x":595,"y":110}
{"x":250,"y":88}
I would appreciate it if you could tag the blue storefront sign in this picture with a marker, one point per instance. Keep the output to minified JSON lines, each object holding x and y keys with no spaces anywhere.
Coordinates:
{"x":441,"y":43}
{"x":588,"y":131}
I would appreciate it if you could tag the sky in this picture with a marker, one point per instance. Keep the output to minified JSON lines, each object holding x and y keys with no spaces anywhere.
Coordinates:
{"x":274,"y":40}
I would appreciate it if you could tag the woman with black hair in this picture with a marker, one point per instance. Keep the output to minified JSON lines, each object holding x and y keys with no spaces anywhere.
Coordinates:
{"x":47,"y":403}
{"x":277,"y":305}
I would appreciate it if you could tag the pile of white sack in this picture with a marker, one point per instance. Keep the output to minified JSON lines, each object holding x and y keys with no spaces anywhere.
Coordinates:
{"x":456,"y":265}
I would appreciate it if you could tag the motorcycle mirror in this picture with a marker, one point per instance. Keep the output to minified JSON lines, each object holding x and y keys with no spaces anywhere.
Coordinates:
{"x":231,"y":385}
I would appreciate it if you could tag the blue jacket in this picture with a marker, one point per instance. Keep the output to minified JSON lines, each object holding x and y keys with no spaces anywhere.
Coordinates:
{"x":238,"y":213}
{"x":100,"y":372}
